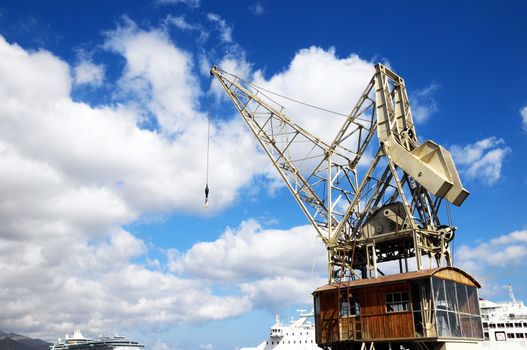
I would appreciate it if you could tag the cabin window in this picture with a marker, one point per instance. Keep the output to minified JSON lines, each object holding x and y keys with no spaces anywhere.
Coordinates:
{"x":397,"y":301}
{"x":457,"y":309}
{"x":349,"y":306}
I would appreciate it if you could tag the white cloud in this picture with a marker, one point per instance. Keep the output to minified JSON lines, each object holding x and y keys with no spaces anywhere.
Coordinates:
{"x":237,"y":65}
{"x":257,"y":8}
{"x":234,"y":64}
{"x":189,"y":3}
{"x":75,"y":174}
{"x":323,"y":79}
{"x":159,"y":345}
{"x":222,"y":26}
{"x":273,"y":268}
{"x":171,"y":95}
{"x":159,"y":73}
{"x":250,"y":252}
{"x":181,"y":23}
{"x":423,"y":104}
{"x":482,"y":160}
{"x":88,"y":73}
{"x":277,"y":293}
{"x":504,"y":255}
{"x":523,"y":112}
{"x":96,"y":287}
{"x":510,"y":249}
{"x":33,"y":81}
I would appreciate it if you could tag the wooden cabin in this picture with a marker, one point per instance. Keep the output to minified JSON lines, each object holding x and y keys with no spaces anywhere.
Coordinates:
{"x":428,"y":306}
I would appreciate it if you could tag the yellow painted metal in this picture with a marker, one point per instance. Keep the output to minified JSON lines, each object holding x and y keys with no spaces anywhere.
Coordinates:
{"x":429,"y":164}
{"x":405,"y":180}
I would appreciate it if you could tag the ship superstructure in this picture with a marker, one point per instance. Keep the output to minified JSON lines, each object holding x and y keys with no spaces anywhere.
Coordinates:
{"x":79,"y":342}
{"x":504,"y":324}
{"x":299,"y":334}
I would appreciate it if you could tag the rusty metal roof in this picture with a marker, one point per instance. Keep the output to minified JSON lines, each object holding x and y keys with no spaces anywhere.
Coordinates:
{"x":401,"y":277}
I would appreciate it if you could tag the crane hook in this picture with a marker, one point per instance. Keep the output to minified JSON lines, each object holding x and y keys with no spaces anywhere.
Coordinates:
{"x":208,"y":153}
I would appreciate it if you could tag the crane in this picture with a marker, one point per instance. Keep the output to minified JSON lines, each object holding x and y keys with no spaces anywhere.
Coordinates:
{"x":367,"y":208}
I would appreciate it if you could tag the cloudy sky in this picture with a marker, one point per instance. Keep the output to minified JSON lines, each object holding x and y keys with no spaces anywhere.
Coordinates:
{"x":103,"y":135}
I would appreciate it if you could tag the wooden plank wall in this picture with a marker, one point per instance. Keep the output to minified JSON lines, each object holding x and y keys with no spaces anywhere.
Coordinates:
{"x":376,"y":322}
{"x":329,"y":317}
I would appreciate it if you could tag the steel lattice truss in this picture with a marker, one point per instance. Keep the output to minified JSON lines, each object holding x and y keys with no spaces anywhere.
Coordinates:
{"x":386,"y":210}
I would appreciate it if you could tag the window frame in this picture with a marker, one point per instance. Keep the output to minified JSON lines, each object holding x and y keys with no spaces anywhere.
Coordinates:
{"x":398,"y":301}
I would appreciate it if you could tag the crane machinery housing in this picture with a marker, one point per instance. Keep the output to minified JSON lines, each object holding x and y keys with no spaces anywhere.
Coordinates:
{"x":379,"y":209}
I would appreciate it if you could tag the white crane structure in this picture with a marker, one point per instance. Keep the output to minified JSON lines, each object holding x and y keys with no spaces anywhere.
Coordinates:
{"x":387,"y":210}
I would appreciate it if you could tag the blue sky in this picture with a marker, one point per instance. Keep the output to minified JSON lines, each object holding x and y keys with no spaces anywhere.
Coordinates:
{"x":103,"y":142}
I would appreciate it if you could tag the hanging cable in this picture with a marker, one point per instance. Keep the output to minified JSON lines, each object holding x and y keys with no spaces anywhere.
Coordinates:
{"x":208,"y":154}
{"x":450,"y":224}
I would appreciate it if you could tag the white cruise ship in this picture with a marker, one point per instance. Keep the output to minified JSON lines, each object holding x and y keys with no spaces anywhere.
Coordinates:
{"x":297,"y":335}
{"x":504,"y":324}
{"x":79,"y":342}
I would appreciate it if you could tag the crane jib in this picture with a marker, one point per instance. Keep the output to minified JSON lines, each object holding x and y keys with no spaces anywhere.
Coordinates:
{"x":388,"y":209}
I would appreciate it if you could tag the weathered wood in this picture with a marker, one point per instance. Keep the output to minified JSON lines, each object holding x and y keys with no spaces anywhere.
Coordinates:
{"x":377,"y":323}
{"x":329,"y":318}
